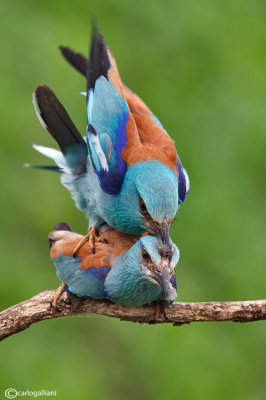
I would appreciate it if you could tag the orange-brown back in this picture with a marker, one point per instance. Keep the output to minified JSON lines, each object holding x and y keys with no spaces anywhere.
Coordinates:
{"x":64,"y":242}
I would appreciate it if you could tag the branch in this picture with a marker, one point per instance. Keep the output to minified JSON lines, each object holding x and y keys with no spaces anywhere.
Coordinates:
{"x":21,"y":316}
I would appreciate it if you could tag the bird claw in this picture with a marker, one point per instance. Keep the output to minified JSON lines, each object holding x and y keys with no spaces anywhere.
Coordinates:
{"x":91,"y":237}
{"x":56,"y":296}
{"x":159,"y":309}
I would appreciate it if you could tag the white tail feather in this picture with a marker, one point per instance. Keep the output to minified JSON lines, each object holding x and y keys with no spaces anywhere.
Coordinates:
{"x":37,"y":110}
{"x":55,"y":155}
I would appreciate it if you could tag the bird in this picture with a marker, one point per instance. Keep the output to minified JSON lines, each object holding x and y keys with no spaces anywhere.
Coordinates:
{"x":126,"y":171}
{"x":130,"y":270}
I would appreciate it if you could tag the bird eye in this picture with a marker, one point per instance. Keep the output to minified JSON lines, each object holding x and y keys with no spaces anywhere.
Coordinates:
{"x":142,"y":205}
{"x":145,"y":255}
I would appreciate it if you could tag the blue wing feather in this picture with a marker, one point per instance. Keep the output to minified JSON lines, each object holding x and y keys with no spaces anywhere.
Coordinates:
{"x":107,"y":114}
{"x":173,"y":281}
{"x":183,"y":182}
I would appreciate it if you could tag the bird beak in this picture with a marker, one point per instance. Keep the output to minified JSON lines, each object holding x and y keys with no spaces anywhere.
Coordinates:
{"x":163,"y":231}
{"x":162,"y":276}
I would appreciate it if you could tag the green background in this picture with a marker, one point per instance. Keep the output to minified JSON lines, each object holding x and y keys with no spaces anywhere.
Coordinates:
{"x":201,"y":68}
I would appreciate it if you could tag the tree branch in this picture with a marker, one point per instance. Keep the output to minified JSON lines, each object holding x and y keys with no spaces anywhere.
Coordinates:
{"x":21,"y":316}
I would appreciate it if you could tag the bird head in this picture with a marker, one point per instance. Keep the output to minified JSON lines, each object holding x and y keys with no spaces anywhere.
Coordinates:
{"x":157,"y":261}
{"x":148,"y":199}
{"x":144,"y":273}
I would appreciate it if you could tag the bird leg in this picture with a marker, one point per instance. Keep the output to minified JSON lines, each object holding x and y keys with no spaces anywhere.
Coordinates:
{"x":91,"y":237}
{"x":55,"y":297}
{"x":159,"y":309}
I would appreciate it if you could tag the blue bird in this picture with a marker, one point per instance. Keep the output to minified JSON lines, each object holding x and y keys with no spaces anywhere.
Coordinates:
{"x":129,"y":270}
{"x":126,"y":172}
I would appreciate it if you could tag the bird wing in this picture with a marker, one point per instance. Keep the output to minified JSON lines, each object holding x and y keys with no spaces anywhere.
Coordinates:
{"x":151,"y":142}
{"x":57,"y":122}
{"x":84,"y":275}
{"x":135,"y":104}
{"x":108,"y":117}
{"x":63,"y":241}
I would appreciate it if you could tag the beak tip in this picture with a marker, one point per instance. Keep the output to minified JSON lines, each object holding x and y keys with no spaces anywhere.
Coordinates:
{"x":169,"y":293}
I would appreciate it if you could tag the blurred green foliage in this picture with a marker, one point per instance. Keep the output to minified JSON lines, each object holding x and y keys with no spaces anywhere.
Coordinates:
{"x":201,"y":67}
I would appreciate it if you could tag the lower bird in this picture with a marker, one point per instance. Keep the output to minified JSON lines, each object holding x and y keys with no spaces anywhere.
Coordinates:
{"x":129,"y":270}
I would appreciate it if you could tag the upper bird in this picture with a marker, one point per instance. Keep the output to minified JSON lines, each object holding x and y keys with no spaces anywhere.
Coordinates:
{"x":129,"y":270}
{"x":126,"y":171}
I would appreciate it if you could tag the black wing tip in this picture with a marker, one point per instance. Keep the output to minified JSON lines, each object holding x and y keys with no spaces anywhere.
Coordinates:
{"x":40,"y":89}
{"x":95,"y":32}
{"x":99,"y":62}
{"x":62,"y":226}
{"x":97,"y":40}
{"x":65,"y":51}
{"x":77,"y":60}
{"x":42,"y":92}
{"x":94,"y":26}
{"x":57,"y":122}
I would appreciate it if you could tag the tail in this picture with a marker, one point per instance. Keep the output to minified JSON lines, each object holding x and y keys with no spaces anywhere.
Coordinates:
{"x":62,"y":226}
{"x":63,"y":241}
{"x":45,"y":167}
{"x":57,"y":122}
{"x":100,"y":62}
{"x":53,"y":236}
{"x":77,"y":60}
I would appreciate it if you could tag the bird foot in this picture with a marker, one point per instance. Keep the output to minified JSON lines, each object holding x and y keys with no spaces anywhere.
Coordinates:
{"x":56,"y":296}
{"x":91,"y":237}
{"x":159,"y":311}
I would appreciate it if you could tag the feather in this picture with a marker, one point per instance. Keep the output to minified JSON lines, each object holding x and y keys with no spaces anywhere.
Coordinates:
{"x":46,"y":167}
{"x":183,"y":183}
{"x":56,"y":119}
{"x":99,"y":63}
{"x":150,"y":132}
{"x":58,"y":123}
{"x":49,"y":152}
{"x":54,"y":155}
{"x":76,"y":59}
{"x":62,"y":226}
{"x":107,"y":115}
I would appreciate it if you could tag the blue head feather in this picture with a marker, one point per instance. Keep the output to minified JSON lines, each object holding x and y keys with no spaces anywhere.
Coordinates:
{"x":156,"y":185}
{"x":132,"y":283}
